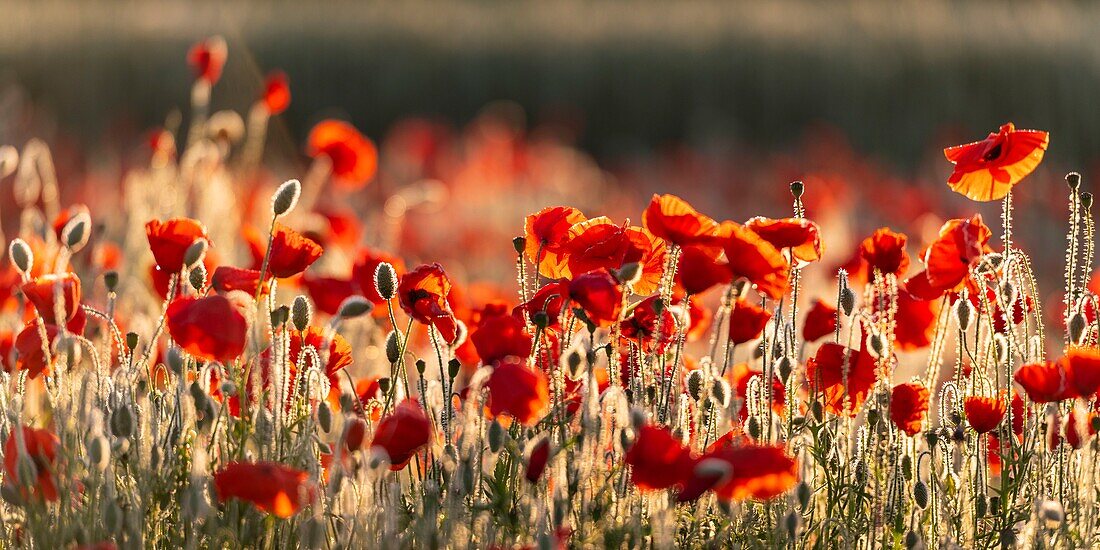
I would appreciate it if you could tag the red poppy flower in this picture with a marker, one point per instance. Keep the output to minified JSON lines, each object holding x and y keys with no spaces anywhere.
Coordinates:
{"x":754,"y":471}
{"x":915,"y":321}
{"x":501,"y":336}
{"x":354,"y":157}
{"x":366,"y":265}
{"x":908,"y":406}
{"x":170,"y":240}
{"x":272,"y":487}
{"x":671,"y":218}
{"x":207,"y":58}
{"x":921,"y":288}
{"x":328,"y":293}
{"x":227,"y":279}
{"x":827,"y":368}
{"x":291,"y":252}
{"x":1082,"y":368}
{"x":276,"y":96}
{"x":698,"y":270}
{"x":600,"y":244}
{"x":599,"y":295}
{"x":41,"y":447}
{"x":550,"y":298}
{"x":645,"y":325}
{"x":28,"y":344}
{"x":212,"y":328}
{"x":958,"y":245}
{"x":545,"y":233}
{"x":520,"y":392}
{"x":885,"y":250}
{"x":422,"y":293}
{"x":41,"y":291}
{"x":820,"y":321}
{"x":402,"y":433}
{"x":755,"y":259}
{"x":799,"y":235}
{"x":987,"y":170}
{"x":338,"y":353}
{"x":984,"y":413}
{"x":747,"y":321}
{"x":1044,"y":382}
{"x":658,"y":460}
{"x":537,"y":460}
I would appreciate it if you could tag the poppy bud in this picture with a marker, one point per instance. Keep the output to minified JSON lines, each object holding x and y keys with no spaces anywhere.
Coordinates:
{"x":1086,"y":200}
{"x":354,"y":306}
{"x":797,"y":188}
{"x":384,"y":385}
{"x":847,"y":301}
{"x":784,"y":367}
{"x":1051,"y":513}
{"x":541,"y":319}
{"x":1073,"y":179}
{"x":99,"y":453}
{"x":637,"y":418}
{"x":995,"y":503}
{"x":197,"y":277}
{"x":1000,"y":348}
{"x":695,"y":384}
{"x":630,"y":273}
{"x":981,"y":506}
{"x":195,"y":253}
{"x":912,"y":539}
{"x":110,"y":280}
{"x":1008,"y":538}
{"x":385,"y":280}
{"x":301,"y":313}
{"x":175,"y":361}
{"x":861,"y":472}
{"x":11,"y":495}
{"x":311,"y":534}
{"x":122,"y":422}
{"x":720,"y":391}
{"x":877,"y":344}
{"x":228,"y":388}
{"x":76,"y":232}
{"x":286,"y":197}
{"x":791,"y":523}
{"x":818,"y":411}
{"x":496,"y":436}
{"x":803,"y":492}
{"x":932,"y":438}
{"x":963,"y":311}
{"x":21,"y":255}
{"x":324,"y":417}
{"x":131,"y":340}
{"x":112,"y":516}
{"x":519,"y":244}
{"x":453,"y":367}
{"x":393,"y":346}
{"x":347,"y":401}
{"x":572,"y":359}
{"x":1008,"y":292}
{"x":1077,"y":327}
{"x":920,"y":494}
{"x":754,"y":427}
{"x":420,"y":366}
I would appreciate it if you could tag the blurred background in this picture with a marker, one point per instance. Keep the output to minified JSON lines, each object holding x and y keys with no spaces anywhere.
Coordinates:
{"x":721,"y":102}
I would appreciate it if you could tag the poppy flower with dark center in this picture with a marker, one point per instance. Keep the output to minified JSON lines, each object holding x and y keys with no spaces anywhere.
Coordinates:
{"x":42,"y":291}
{"x":402,"y":433}
{"x":885,"y":250}
{"x":291,"y":252}
{"x":501,"y":336}
{"x":599,"y":295}
{"x":269,"y":486}
{"x":41,"y":447}
{"x":800,"y":236}
{"x":276,"y":96}
{"x":337,"y":356}
{"x":698,"y":270}
{"x":518,"y":391}
{"x":987,"y":170}
{"x":842,"y":394}
{"x":170,"y":240}
{"x":820,"y":321}
{"x":755,"y":259}
{"x":984,"y":413}
{"x":1044,"y":382}
{"x":423,"y":293}
{"x":908,"y":406}
{"x":747,"y":321}
{"x":545,"y":232}
{"x":228,"y":278}
{"x":671,"y":218}
{"x":207,"y":58}
{"x":959,"y":244}
{"x":658,"y":460}
{"x":354,"y":157}
{"x":740,"y":471}
{"x":213,"y":328}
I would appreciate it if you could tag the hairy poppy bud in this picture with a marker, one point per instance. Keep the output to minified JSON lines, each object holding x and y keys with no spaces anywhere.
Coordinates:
{"x":384,"y":385}
{"x":519,"y":243}
{"x":286,"y":197}
{"x":630,"y":273}
{"x":1051,"y":513}
{"x":197,"y":277}
{"x":195,"y":253}
{"x":1077,"y":327}
{"x":803,"y":492}
{"x":21,"y":256}
{"x":421,"y":366}
{"x":847,"y":301}
{"x":1086,"y":200}
{"x":76,"y":232}
{"x":175,"y":361}
{"x":110,"y":280}
{"x":1000,"y":348}
{"x":229,"y":388}
{"x":453,"y":367}
{"x":877,"y":344}
{"x":122,"y":422}
{"x":354,"y":306}
{"x":695,"y":384}
{"x":1073,"y":179}
{"x":301,"y":313}
{"x":720,"y":391}
{"x":784,"y":366}
{"x":1008,"y":292}
{"x":920,"y":494}
{"x":963,"y":312}
{"x":541,"y":319}
{"x":99,"y":452}
{"x":385,"y":280}
{"x":324,"y":417}
{"x":496,"y":436}
{"x":912,"y":539}
{"x":393,"y":346}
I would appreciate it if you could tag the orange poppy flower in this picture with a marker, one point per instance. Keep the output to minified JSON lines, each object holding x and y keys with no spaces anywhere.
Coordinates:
{"x":908,"y":406}
{"x":820,"y":321}
{"x":212,"y":328}
{"x":799,"y":235}
{"x":207,"y":58}
{"x":269,"y":486}
{"x":747,"y":321}
{"x":276,"y":96}
{"x":423,"y":293}
{"x":354,"y":157}
{"x":698,"y":270}
{"x":658,"y":460}
{"x":1044,"y":382}
{"x":328,"y":293}
{"x":756,"y":260}
{"x":1082,"y":367}
{"x":291,"y":252}
{"x":885,"y":250}
{"x":959,"y":244}
{"x":170,"y":240}
{"x":402,"y":433}
{"x":499,"y":337}
{"x":915,"y":321}
{"x":984,"y":413}
{"x":671,"y":218}
{"x":227,"y":279}
{"x":987,"y":170}
{"x":827,"y":368}
{"x":41,"y":447}
{"x":599,"y":295}
{"x":338,"y":354}
{"x":518,"y":391}
{"x":755,"y":471}
{"x":41,"y":291}
{"x":599,"y":243}
{"x":545,"y":232}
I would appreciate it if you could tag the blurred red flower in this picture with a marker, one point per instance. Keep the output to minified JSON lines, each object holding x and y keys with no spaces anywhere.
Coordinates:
{"x":291,"y":252}
{"x":170,"y":240}
{"x":41,"y":446}
{"x":820,"y":321}
{"x":747,"y":321}
{"x":212,"y":328}
{"x":671,"y":218}
{"x":698,"y":270}
{"x":599,"y":295}
{"x":885,"y":250}
{"x":501,"y":336}
{"x":402,"y":433}
{"x":908,"y":406}
{"x":41,"y":291}
{"x":658,"y":460}
{"x":276,"y":96}
{"x":1044,"y":382}
{"x":272,"y":487}
{"x":984,"y":413}
{"x":354,"y":157}
{"x":228,"y":278}
{"x":987,"y":170}
{"x":207,"y":58}
{"x":750,"y":471}
{"x":521,"y":392}
{"x":545,"y":232}
{"x":756,"y":260}
{"x":828,"y":366}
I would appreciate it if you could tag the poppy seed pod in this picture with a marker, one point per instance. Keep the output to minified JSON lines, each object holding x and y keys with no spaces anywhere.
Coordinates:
{"x":877,"y":344}
{"x":175,"y":361}
{"x":354,"y":306}
{"x":453,"y":368}
{"x":279,"y":316}
{"x":393,"y":346}
{"x":519,"y":244}
{"x":324,"y":417}
{"x":110,"y":280}
{"x":1073,"y":179}
{"x":76,"y":232}
{"x":122,"y":422}
{"x":301,"y":313}
{"x":784,"y":366}
{"x":1086,"y":200}
{"x":131,"y":340}
{"x":695,"y":384}
{"x":1008,"y":292}
{"x":797,"y":188}
{"x":847,"y":301}
{"x":630,"y":273}
{"x":421,"y":366}
{"x":803,"y":492}
{"x":286,"y":197}
{"x":385,"y":280}
{"x":496,"y":436}
{"x":920,"y":494}
{"x":21,"y":255}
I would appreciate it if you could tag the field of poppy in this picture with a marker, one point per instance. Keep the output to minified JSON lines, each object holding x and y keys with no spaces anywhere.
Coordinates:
{"x":231,"y":364}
